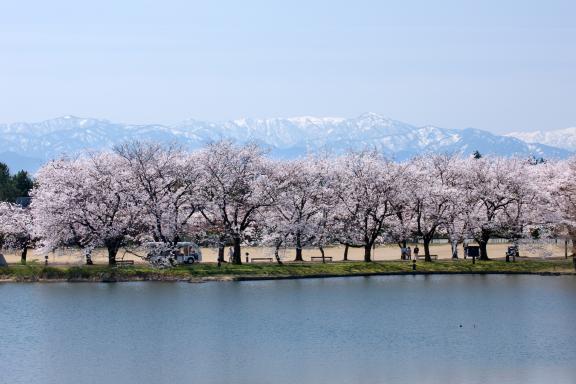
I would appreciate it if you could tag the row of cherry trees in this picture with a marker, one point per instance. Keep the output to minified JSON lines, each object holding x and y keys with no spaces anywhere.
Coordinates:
{"x":227,"y":194}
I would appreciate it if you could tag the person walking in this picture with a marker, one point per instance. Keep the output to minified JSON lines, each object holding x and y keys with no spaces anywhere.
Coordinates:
{"x":230,"y":254}
{"x":416,"y":252}
{"x":409,"y":253}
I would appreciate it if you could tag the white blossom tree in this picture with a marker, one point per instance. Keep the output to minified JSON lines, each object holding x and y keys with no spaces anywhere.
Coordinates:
{"x":165,"y":181}
{"x":235,"y":187}
{"x":366,"y":186}
{"x":433,"y":196}
{"x":146,"y":191}
{"x":558,"y":205}
{"x":86,"y":201}
{"x":498,"y":194}
{"x":16,"y":230}
{"x":301,"y":197}
{"x":53,"y":224}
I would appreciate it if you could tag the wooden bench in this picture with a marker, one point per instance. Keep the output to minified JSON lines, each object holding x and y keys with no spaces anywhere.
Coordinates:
{"x":422,"y":257}
{"x":269,"y":259}
{"x":326,"y":258}
{"x":121,"y":263}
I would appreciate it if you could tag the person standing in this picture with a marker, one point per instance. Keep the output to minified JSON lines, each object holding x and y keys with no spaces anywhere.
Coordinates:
{"x":230,"y":254}
{"x":416,"y":252}
{"x":409,"y":253}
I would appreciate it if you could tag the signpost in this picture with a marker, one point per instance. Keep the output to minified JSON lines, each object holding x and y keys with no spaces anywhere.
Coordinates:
{"x":474,"y":252}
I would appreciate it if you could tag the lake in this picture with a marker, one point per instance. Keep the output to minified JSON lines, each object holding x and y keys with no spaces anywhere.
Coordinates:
{"x":389,"y":329}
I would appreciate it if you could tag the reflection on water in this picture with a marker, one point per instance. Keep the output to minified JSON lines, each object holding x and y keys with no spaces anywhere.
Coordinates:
{"x":401,"y":329}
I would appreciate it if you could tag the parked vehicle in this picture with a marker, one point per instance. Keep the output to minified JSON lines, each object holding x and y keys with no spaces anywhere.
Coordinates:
{"x":184,"y":253}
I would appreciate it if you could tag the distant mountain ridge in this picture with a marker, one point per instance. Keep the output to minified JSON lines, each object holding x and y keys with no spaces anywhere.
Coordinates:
{"x":24,"y":145}
{"x":561,"y":138}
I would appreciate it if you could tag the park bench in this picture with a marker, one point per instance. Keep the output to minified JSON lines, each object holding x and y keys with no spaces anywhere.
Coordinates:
{"x":326,"y":258}
{"x":269,"y":259}
{"x":121,"y":263}
{"x":422,"y":257}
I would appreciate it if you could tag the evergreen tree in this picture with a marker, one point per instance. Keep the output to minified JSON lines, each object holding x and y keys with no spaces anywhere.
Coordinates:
{"x":13,"y":186}
{"x":6,"y":185}
{"x":536,"y":160}
{"x":22,"y":183}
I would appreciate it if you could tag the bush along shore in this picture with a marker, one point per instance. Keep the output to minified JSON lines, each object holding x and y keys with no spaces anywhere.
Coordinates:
{"x":229,"y":272}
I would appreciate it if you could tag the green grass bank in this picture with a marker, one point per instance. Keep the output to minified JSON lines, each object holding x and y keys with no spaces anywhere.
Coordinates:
{"x":228,"y":272}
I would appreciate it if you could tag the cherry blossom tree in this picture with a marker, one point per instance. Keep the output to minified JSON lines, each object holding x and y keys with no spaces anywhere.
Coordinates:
{"x":165,"y":181}
{"x":567,"y":198}
{"x":455,"y":224}
{"x":433,"y":195}
{"x":53,"y":225}
{"x":558,"y":207}
{"x":144,"y":191}
{"x":301,"y":196}
{"x":86,"y":201}
{"x":324,"y":230}
{"x":366,"y":186}
{"x":16,"y":230}
{"x":235,"y":187}
{"x":498,"y":194}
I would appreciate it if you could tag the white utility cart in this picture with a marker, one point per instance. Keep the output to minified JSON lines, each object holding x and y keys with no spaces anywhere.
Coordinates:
{"x":186,"y":253}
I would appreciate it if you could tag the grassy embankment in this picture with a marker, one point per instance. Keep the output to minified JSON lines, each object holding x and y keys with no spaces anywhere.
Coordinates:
{"x":207,"y":272}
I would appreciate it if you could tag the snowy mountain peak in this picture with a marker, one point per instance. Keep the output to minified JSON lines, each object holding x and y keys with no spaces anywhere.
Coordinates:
{"x":561,"y":138}
{"x":371,"y":119}
{"x":34,"y":143}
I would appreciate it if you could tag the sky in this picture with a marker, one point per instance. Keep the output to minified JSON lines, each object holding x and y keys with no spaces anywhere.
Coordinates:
{"x":496,"y":65}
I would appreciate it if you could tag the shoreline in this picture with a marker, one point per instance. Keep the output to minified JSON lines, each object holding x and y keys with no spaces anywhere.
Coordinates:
{"x":203,"y":273}
{"x":270,"y":278}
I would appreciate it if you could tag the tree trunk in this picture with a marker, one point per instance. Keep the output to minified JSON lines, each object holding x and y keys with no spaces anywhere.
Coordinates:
{"x":483,"y":243}
{"x":24,"y":254}
{"x":237,"y":258}
{"x":346,"y":247}
{"x":483,"y":250}
{"x":276,"y":254}
{"x":368,"y":252}
{"x":112,"y":252}
{"x":88,"y":256}
{"x":426,"y":242}
{"x":322,"y":253}
{"x":298,"y":248}
{"x":454,"y":244}
{"x":402,"y":245}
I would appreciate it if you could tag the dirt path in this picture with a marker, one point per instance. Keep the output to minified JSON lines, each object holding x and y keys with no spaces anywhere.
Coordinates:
{"x":388,"y":252}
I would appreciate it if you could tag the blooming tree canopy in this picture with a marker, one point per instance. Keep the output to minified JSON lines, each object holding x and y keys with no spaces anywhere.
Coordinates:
{"x":234,"y":188}
{"x":236,"y":195}
{"x":366,"y":187}
{"x":301,"y":202}
{"x":87,"y":202}
{"x":165,"y":182}
{"x":16,"y":228}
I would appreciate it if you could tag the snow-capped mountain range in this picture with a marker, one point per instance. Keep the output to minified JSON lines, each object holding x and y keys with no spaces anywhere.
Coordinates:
{"x":28,"y":145}
{"x":561,"y":138}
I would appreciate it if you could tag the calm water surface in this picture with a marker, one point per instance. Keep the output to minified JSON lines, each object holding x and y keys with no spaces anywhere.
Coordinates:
{"x":403,"y":329}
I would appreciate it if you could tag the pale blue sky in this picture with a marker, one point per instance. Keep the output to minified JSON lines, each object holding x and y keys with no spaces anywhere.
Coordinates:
{"x":496,"y":65}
